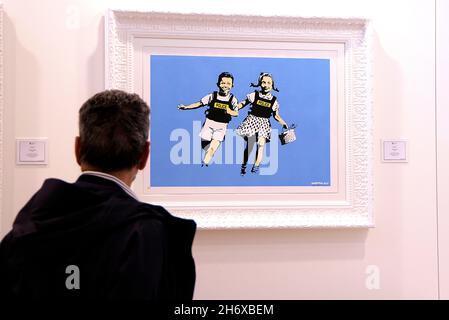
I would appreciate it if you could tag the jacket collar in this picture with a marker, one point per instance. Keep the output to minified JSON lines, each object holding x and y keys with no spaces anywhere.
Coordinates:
{"x":91,"y":176}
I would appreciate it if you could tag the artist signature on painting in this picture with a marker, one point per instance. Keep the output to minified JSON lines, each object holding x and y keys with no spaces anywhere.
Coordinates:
{"x":319,"y":183}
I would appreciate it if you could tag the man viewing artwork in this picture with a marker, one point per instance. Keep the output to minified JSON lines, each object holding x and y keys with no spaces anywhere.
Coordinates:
{"x":93,"y":239}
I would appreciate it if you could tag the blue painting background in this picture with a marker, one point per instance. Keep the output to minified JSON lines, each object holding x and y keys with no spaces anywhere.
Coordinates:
{"x":304,"y":86}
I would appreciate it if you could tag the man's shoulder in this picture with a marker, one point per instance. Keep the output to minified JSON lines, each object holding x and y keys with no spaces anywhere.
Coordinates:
{"x":158,"y":212}
{"x":153,"y":219}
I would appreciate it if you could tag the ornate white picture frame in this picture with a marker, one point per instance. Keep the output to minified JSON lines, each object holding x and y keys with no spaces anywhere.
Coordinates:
{"x":1,"y":113}
{"x":133,"y":37}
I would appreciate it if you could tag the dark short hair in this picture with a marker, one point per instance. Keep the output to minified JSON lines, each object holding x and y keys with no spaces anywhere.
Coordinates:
{"x":225,"y":75}
{"x":114,"y":127}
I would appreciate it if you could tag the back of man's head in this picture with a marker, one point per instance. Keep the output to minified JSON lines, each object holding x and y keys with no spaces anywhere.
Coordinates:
{"x":114,"y":127}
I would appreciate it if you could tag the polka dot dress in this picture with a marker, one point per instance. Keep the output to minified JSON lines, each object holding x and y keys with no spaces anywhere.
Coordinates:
{"x":252,"y":125}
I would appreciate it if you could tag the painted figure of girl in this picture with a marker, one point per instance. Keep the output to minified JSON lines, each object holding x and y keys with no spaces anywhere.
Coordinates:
{"x":256,"y":128}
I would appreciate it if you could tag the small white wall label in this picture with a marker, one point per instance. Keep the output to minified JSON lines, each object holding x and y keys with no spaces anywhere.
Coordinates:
{"x":394,"y":150}
{"x":31,"y":151}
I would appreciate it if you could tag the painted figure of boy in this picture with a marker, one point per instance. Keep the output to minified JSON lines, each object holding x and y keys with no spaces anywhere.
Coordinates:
{"x":222,"y":107}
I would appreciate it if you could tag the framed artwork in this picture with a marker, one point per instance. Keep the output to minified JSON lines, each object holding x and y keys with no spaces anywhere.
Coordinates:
{"x":256,"y":122}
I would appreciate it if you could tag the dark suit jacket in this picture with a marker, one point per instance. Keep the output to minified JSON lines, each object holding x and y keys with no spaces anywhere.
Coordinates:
{"x":123,"y":248}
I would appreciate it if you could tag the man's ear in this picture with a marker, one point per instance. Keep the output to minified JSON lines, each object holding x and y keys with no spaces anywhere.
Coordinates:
{"x":144,"y":157}
{"x":78,"y":150}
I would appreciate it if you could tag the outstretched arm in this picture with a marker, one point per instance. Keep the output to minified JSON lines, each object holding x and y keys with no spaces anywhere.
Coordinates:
{"x":242,"y":104}
{"x":278,"y":118}
{"x":190,"y":106}
{"x":233,"y":110}
{"x":233,"y":113}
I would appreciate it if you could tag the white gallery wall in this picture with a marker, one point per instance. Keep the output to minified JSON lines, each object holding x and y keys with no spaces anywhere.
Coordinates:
{"x":442,"y":76}
{"x":54,"y":61}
